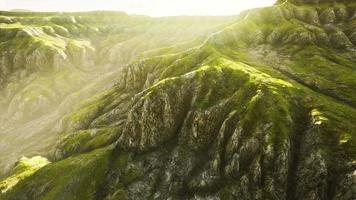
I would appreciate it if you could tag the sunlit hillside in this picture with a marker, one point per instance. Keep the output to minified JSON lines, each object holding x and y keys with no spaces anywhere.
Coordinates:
{"x":51,"y":61}
{"x":106,"y":105}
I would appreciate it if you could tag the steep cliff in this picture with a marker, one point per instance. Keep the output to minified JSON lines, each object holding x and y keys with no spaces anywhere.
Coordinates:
{"x":263,"y":109}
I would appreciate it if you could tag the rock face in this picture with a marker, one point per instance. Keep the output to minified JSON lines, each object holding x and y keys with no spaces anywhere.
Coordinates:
{"x":263,"y":109}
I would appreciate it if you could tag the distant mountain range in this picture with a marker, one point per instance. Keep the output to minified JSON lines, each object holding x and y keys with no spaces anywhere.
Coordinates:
{"x":105,"y":105}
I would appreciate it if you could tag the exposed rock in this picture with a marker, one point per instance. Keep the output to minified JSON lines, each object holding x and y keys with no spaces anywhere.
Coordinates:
{"x":233,"y":118}
{"x":328,"y":16}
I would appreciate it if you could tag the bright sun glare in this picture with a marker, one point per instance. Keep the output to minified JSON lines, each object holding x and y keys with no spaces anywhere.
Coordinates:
{"x":146,"y":7}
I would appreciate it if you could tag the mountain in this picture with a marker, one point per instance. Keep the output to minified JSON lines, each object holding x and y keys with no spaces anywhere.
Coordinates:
{"x":51,"y":61}
{"x":20,"y":10}
{"x":263,"y":108}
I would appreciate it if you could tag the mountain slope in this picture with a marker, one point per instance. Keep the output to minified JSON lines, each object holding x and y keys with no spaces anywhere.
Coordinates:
{"x":264,"y":109}
{"x":51,"y":61}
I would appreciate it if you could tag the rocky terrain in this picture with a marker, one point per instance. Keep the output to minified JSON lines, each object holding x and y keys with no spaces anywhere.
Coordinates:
{"x":262,"y":106}
{"x":51,"y":61}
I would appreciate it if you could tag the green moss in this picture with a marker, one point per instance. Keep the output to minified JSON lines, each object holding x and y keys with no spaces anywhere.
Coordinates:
{"x":16,"y":25}
{"x":89,"y":109}
{"x":75,"y":178}
{"x":23,"y":169}
{"x":130,"y":169}
{"x":87,"y":140}
{"x":268,"y":92}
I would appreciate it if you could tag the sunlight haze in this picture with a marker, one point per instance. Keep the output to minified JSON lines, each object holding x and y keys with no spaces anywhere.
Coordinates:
{"x":145,"y":7}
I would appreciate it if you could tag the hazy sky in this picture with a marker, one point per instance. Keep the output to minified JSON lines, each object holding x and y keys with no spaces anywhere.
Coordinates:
{"x":147,"y":7}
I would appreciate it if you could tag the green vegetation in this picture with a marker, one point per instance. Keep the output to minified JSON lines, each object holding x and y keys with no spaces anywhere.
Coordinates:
{"x":50,"y":62}
{"x":23,"y":169}
{"x":263,"y":109}
{"x":86,"y":140}
{"x":74,"y":178}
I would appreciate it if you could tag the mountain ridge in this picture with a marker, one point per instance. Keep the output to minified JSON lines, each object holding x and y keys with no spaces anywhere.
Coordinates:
{"x":263,"y":109}
{"x":50,"y":62}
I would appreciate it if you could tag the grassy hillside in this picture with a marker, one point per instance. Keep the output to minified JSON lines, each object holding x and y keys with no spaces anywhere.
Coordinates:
{"x":265,"y":108}
{"x":50,"y":61}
